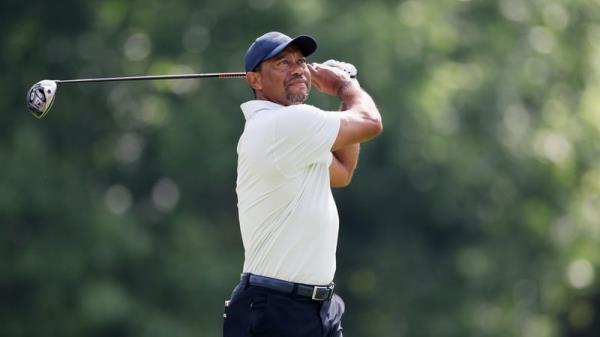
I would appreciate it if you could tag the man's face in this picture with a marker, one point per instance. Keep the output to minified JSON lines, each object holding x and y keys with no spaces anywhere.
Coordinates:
{"x":283,"y":79}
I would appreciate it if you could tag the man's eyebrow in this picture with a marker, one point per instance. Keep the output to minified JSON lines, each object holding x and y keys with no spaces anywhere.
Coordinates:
{"x":285,"y":54}
{"x":280,"y":56}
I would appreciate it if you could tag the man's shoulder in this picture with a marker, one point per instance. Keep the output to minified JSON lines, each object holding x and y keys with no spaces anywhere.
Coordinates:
{"x":258,"y":104}
{"x":250,"y":108}
{"x":273,"y":112}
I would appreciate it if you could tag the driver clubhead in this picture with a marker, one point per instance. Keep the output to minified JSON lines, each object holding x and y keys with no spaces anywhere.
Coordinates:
{"x":41,"y":97}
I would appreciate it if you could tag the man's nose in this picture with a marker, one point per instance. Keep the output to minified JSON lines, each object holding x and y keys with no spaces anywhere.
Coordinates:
{"x":296,"y":68}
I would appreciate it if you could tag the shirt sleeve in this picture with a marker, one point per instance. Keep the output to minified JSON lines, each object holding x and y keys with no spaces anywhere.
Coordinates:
{"x":303,"y":135}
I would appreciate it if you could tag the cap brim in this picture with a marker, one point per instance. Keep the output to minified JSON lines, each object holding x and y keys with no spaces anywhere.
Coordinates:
{"x":305,"y":43}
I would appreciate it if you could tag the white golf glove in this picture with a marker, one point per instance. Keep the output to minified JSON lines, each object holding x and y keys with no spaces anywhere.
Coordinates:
{"x":347,"y":67}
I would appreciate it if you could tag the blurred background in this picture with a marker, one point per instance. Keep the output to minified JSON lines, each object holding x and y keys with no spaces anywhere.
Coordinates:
{"x":475,"y":213}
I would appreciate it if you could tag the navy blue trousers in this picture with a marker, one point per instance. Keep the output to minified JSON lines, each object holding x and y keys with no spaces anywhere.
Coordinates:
{"x":254,"y":311}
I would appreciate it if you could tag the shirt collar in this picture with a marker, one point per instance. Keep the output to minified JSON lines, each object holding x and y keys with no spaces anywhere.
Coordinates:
{"x":252,"y":107}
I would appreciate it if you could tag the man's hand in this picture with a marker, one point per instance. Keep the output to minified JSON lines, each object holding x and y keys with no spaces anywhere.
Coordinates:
{"x":347,"y":67}
{"x":328,"y":79}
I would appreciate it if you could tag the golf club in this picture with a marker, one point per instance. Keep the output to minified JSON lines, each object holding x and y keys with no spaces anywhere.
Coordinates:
{"x":42,"y":94}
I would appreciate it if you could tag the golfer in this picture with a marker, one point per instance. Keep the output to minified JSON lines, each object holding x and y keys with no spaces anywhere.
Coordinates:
{"x":290,"y":155}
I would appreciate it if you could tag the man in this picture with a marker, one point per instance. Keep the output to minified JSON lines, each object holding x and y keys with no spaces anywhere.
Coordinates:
{"x":289,"y":156}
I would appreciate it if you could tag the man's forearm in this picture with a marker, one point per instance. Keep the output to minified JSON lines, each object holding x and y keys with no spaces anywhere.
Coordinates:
{"x":343,"y":165}
{"x":348,"y":156}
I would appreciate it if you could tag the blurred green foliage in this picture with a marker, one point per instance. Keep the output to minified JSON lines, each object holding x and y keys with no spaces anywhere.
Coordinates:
{"x":476,"y":213}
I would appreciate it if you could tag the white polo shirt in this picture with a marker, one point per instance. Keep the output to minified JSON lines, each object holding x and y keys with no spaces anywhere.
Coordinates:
{"x":288,"y":218}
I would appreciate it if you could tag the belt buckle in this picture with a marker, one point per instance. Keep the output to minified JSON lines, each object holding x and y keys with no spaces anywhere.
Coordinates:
{"x":317,"y":292}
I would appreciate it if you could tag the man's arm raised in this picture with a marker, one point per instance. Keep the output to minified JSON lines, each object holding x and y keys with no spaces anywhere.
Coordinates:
{"x":360,"y":119}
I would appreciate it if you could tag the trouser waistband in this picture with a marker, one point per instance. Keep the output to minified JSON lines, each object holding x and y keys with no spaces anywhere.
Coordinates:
{"x":316,"y":293}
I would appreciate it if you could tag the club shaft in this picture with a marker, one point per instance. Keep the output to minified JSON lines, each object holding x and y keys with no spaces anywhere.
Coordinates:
{"x":154,"y":77}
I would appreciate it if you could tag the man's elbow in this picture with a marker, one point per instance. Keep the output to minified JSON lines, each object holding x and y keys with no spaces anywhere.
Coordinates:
{"x":375,"y":128}
{"x":378,"y":127}
{"x":372,"y":121}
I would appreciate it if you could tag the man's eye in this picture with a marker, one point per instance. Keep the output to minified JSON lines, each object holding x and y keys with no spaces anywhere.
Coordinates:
{"x":283,"y":62}
{"x":302,"y":61}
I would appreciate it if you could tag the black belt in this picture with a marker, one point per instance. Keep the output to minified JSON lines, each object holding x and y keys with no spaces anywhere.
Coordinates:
{"x":316,"y":293}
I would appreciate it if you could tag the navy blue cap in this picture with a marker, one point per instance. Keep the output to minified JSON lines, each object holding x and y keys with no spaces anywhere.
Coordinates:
{"x":272,"y":43}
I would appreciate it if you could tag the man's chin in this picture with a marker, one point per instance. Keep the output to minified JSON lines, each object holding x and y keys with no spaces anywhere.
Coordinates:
{"x":297,"y":98}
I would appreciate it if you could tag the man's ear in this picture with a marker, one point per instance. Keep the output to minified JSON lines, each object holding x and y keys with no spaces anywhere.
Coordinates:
{"x":254,"y":80}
